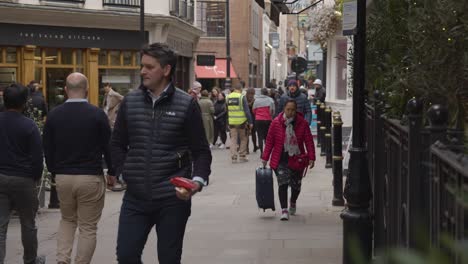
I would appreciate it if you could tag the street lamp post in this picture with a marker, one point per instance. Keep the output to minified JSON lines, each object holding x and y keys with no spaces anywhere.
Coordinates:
{"x":142,"y":22}
{"x":357,"y":224}
{"x":227,"y":84}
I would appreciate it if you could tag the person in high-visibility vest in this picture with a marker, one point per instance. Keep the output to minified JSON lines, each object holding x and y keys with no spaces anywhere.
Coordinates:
{"x":239,"y":117}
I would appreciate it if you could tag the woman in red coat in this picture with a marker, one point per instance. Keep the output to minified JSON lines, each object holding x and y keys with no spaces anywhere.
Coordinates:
{"x":289,"y":135}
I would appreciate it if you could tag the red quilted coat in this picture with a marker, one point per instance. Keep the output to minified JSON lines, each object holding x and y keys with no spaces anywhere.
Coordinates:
{"x":276,"y":136}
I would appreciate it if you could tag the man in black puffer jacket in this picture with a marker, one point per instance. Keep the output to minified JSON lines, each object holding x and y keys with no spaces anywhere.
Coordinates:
{"x":158,"y":135}
{"x":294,"y":93}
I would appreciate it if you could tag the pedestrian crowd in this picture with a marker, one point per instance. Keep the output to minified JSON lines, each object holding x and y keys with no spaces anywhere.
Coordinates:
{"x":139,"y":143}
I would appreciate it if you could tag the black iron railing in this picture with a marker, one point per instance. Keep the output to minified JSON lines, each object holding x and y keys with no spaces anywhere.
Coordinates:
{"x":123,"y":3}
{"x":419,"y":179}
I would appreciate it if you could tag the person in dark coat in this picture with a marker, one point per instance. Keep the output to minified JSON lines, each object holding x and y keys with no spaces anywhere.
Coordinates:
{"x":220,"y":120}
{"x":37,"y":98}
{"x":303,"y":105}
{"x":158,"y":135}
{"x":21,"y":166}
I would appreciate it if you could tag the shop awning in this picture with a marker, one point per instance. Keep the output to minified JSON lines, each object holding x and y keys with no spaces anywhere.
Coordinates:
{"x":218,"y":71}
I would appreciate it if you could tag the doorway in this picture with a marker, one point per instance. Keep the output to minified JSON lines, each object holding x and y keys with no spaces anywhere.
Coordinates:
{"x":55,"y":81}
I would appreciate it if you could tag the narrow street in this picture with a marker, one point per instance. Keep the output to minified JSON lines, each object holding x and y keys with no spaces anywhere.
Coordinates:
{"x":226,"y":226}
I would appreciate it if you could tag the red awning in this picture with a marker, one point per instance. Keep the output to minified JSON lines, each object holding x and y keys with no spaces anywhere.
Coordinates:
{"x":218,"y":71}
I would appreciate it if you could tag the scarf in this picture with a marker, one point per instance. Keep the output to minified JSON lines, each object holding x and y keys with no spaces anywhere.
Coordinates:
{"x":290,"y":143}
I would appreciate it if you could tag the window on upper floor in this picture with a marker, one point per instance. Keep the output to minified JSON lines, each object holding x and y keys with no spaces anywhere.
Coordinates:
{"x":211,"y":18}
{"x":125,"y":3}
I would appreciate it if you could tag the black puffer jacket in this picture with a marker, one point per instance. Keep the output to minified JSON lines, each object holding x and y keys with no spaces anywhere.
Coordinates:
{"x":155,"y":144}
{"x":220,"y":112}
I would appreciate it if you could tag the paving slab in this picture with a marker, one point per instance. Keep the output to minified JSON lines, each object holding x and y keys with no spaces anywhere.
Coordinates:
{"x":225,"y":226}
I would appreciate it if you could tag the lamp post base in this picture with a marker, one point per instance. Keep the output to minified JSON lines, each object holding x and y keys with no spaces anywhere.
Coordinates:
{"x":357,"y":235}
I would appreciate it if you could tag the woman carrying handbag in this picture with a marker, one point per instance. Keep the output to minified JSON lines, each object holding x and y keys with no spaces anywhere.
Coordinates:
{"x":290,"y":150}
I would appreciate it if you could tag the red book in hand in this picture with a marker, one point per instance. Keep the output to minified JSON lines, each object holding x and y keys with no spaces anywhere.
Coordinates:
{"x":183,"y":182}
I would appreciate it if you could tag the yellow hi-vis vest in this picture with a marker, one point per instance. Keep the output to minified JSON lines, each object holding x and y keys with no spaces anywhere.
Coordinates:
{"x":235,"y":106}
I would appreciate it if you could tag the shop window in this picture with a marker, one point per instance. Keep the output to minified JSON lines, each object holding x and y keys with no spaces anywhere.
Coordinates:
{"x":1,"y":56}
{"x":7,"y":76}
{"x":11,"y":55}
{"x":51,"y":56}
{"x":79,"y":57}
{"x":114,"y":58}
{"x":67,"y":56}
{"x":127,"y":58}
{"x":102,"y":57}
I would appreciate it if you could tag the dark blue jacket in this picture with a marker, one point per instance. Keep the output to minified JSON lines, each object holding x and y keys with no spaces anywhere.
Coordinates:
{"x":20,"y":146}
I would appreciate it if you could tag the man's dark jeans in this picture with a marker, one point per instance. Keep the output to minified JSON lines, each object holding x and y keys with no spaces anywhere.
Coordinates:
{"x":19,"y":193}
{"x":137,"y":218}
{"x":262,"y":129}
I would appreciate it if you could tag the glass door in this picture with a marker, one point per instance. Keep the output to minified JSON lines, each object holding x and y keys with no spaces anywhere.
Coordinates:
{"x":55,"y":81}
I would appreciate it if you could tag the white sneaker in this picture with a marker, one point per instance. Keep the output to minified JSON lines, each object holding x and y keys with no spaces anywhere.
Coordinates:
{"x":211,"y":146}
{"x":284,"y":215}
{"x":222,"y":146}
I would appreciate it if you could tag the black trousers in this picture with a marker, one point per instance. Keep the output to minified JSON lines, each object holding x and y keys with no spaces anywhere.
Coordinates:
{"x":262,"y":131}
{"x":19,"y":193}
{"x":137,"y":218}
{"x":220,"y":130}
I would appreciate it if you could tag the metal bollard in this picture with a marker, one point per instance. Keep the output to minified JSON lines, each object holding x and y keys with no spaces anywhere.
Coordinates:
{"x":337,"y":160}
{"x":319,"y":123}
{"x":328,"y":137}
{"x":322,"y":129}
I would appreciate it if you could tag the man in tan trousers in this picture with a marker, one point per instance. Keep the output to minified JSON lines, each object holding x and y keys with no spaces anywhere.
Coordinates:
{"x":76,"y":136}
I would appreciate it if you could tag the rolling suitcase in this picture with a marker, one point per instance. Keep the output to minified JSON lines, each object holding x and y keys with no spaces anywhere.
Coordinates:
{"x":264,"y":188}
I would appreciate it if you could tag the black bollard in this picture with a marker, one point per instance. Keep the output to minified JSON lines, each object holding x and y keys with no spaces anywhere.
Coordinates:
{"x":319,"y":123}
{"x":322,"y":129}
{"x":53,"y":201}
{"x":337,"y":160}
{"x":328,"y":137}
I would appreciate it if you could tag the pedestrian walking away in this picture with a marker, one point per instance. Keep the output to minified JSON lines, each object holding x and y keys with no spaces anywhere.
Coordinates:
{"x":250,"y":95}
{"x":76,"y":137}
{"x":207,"y":110}
{"x":158,"y":135}
{"x":264,"y":110}
{"x":21,"y":165}
{"x":37,"y":98}
{"x":290,"y":150}
{"x":239,"y":120}
{"x":303,"y":105}
{"x":220,"y":120}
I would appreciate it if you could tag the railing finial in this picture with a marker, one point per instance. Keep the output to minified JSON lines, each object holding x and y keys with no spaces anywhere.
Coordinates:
{"x":438,"y":116}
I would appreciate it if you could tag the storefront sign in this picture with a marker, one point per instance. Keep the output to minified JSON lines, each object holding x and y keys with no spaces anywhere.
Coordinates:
{"x":274,"y":40}
{"x":349,"y":17}
{"x":68,"y":37}
{"x":182,"y":47}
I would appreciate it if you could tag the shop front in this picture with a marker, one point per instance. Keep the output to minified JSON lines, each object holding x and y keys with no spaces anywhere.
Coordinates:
{"x":49,"y":53}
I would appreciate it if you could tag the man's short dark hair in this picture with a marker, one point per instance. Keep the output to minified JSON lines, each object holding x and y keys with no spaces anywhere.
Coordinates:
{"x":264,"y":91}
{"x":15,"y":96}
{"x":164,"y":54}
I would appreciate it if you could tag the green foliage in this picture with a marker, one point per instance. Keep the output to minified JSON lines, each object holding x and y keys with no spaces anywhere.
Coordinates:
{"x":418,"y":49}
{"x":443,"y":255}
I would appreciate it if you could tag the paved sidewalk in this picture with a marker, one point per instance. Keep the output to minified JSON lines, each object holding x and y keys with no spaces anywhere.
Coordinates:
{"x":225,"y":227}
